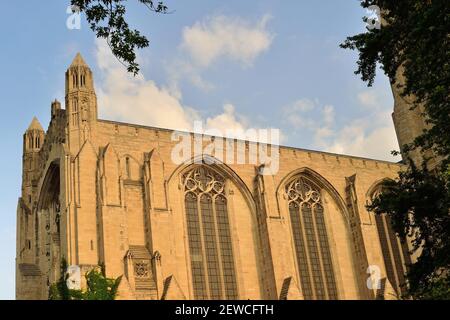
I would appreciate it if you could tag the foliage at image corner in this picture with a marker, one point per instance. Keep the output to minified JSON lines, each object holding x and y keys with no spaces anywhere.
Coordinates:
{"x":98,"y":286}
{"x":418,"y":203}
{"x":415,"y":39}
{"x":106,"y":18}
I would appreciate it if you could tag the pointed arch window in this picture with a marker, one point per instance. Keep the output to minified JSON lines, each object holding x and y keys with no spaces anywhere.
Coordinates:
{"x":30,"y":141}
{"x":311,"y":243}
{"x":75,"y":113}
{"x":394,"y":249}
{"x":127,"y":167}
{"x":75,"y":79}
{"x":209,"y":235}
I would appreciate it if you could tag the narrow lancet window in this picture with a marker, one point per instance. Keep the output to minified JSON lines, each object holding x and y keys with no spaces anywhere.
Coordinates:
{"x":311,"y":242}
{"x":210,"y":246}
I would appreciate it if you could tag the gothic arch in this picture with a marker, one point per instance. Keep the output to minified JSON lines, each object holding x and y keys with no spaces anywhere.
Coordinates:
{"x":220,"y":168}
{"x":55,"y":157}
{"x":394,"y":251}
{"x":48,"y":223}
{"x":321,"y":182}
{"x":109,"y":170}
{"x":375,"y":187}
{"x":324,"y":190}
{"x":130,"y":167}
{"x":50,"y":185}
{"x":242,"y":215}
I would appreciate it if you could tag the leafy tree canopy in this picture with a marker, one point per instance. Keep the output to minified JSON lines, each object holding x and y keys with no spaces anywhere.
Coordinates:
{"x":418,"y":203}
{"x":99,"y":287}
{"x":107,"y":19}
{"x":414,"y":35}
{"x":414,"y":39}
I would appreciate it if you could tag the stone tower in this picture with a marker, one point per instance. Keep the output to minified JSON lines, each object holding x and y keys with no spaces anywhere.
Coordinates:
{"x":408,"y":120}
{"x":81,"y":103}
{"x":33,"y":139}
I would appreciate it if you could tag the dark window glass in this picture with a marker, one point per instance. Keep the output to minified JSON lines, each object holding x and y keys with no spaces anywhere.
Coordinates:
{"x":311,"y":241}
{"x":395,"y":253}
{"x":210,"y":246}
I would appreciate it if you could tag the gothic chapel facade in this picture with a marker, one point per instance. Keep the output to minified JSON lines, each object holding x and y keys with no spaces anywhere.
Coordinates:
{"x":103,"y":192}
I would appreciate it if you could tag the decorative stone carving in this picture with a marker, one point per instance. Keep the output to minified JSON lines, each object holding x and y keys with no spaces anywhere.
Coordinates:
{"x":141,"y":269}
{"x":301,"y":190}
{"x":201,"y":180}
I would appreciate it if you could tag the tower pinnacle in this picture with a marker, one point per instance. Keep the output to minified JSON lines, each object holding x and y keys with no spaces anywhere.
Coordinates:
{"x":33,"y":137}
{"x":78,"y":61}
{"x":79,"y":76}
{"x":81,"y":102}
{"x":35,"y":125}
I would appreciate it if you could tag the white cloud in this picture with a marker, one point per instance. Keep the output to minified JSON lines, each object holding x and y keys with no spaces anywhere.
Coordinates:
{"x":179,"y":69}
{"x":328,"y":115}
{"x":122,"y":97}
{"x":355,"y":140}
{"x":223,"y":36}
{"x":367,"y":98}
{"x":371,"y":136}
{"x":217,"y":38}
{"x":228,"y":120}
{"x":373,"y":99}
{"x":296,"y":113}
{"x":302,"y":105}
{"x":135,"y":99}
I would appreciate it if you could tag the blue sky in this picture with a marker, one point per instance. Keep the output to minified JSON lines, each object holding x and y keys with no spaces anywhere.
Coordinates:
{"x":241,"y":64}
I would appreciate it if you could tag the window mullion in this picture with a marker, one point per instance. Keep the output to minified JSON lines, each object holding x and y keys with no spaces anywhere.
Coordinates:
{"x":300,"y":249}
{"x":312,"y":231}
{"x":319,"y":252}
{"x":402,"y":253}
{"x":218,"y":279}
{"x":202,"y":236}
{"x":308,"y":258}
{"x":219,"y":248}
{"x":391,"y":252}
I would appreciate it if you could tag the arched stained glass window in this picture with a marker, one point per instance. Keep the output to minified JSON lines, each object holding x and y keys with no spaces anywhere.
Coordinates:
{"x":210,"y":247}
{"x":312,"y":248}
{"x":395,"y":251}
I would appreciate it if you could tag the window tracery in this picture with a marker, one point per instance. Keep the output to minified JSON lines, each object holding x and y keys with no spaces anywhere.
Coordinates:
{"x":311,"y":240}
{"x":210,"y":246}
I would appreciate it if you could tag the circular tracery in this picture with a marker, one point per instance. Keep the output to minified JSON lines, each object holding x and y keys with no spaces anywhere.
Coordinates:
{"x":301,"y":190}
{"x":200,"y":180}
